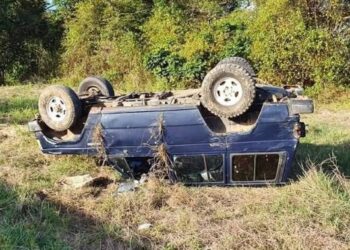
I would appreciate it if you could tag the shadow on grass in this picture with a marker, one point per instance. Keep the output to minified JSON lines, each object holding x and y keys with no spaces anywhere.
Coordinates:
{"x":307,"y":152}
{"x":36,"y":222}
{"x":18,"y":110}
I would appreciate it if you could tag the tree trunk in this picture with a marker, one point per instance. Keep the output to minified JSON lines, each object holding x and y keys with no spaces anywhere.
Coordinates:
{"x":2,"y":77}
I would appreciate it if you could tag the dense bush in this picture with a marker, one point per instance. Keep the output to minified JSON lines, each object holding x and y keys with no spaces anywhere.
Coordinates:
{"x":143,"y":44}
{"x":301,"y":42}
{"x":104,"y":39}
{"x":29,"y":40}
{"x":161,"y":44}
{"x":181,"y":50}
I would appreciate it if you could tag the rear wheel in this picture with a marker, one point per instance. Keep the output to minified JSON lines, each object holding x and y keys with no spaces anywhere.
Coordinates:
{"x":96,"y":86}
{"x":228,"y":90}
{"x":240,"y":61}
{"x":59,"y":107}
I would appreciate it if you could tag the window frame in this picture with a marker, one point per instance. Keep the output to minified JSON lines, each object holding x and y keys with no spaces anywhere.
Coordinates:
{"x":279,"y":172}
{"x":205,"y":155}
{"x":125,"y":172}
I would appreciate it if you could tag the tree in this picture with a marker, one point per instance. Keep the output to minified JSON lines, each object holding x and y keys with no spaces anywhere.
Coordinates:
{"x":27,"y":38}
{"x":102,"y":39}
{"x":66,"y":8}
{"x":301,"y":42}
{"x":162,"y":43}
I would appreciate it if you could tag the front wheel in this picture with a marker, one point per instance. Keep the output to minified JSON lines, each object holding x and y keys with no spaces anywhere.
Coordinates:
{"x":228,"y":90}
{"x":59,"y":107}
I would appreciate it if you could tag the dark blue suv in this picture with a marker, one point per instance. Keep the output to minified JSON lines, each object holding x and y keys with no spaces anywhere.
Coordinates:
{"x":232,"y":131}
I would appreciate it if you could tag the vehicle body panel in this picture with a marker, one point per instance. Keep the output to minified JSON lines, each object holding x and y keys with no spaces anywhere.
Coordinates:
{"x":134,"y":132}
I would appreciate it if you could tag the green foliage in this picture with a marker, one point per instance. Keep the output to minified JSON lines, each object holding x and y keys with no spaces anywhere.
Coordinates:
{"x":182,"y":46}
{"x":165,"y":64}
{"x":143,"y":44}
{"x":301,"y":42}
{"x":103,"y":40}
{"x":66,"y":8}
{"x":40,"y":230}
{"x":29,"y":40}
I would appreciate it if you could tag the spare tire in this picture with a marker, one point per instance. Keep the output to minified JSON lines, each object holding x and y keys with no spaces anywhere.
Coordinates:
{"x":96,"y":86}
{"x":228,"y":90}
{"x":59,"y":107}
{"x":240,"y":61}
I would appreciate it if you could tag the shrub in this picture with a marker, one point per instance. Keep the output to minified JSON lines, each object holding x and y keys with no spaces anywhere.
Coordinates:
{"x":103,"y":40}
{"x":29,"y":41}
{"x":182,"y":46}
{"x":298,"y":42}
{"x":172,"y":44}
{"x":169,"y":44}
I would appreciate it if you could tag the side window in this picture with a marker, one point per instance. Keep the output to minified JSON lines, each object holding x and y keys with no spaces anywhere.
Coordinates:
{"x":266,"y":166}
{"x":259,"y":167}
{"x":215,"y":168}
{"x":243,"y":167}
{"x":199,"y":168}
{"x":188,"y":168}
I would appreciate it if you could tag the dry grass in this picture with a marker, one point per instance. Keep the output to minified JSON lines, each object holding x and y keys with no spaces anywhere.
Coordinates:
{"x":36,"y":212}
{"x":98,"y":139}
{"x":311,"y":213}
{"x":161,"y":166}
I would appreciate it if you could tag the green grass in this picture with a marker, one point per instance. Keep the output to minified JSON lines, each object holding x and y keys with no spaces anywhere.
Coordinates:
{"x":17,"y":110}
{"x":18,"y":104}
{"x":30,"y":222}
{"x":312,"y":212}
{"x":328,"y":137}
{"x":27,"y":223}
{"x":333,"y":98}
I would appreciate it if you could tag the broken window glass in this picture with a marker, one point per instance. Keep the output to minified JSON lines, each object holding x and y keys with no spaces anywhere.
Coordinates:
{"x":259,"y":167}
{"x":199,"y":168}
{"x":215,"y":168}
{"x":132,"y":167}
{"x":122,"y":166}
{"x":139,"y":165}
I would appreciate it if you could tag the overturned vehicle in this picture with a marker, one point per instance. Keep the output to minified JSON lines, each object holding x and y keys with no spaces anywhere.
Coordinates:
{"x":231,"y":131}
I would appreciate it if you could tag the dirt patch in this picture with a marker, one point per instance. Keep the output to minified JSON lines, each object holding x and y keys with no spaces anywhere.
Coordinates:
{"x":6,"y":132}
{"x":3,"y":136}
{"x":81,"y":181}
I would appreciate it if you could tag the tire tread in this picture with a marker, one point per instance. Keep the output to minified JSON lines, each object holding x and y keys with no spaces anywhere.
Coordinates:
{"x":211,"y":77}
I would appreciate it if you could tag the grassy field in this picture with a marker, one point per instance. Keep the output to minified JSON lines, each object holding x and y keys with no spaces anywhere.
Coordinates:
{"x":37,"y":212}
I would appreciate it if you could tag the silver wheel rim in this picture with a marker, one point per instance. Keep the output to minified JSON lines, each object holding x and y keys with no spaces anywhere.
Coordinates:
{"x":56,"y":109}
{"x":228,"y":91}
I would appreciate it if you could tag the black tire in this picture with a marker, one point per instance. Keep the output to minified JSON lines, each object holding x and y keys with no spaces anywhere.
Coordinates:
{"x":96,"y":86}
{"x":240,"y":61}
{"x":231,"y":74}
{"x":59,"y":107}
